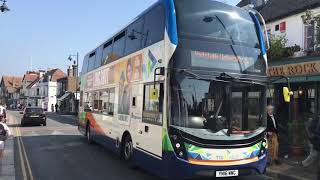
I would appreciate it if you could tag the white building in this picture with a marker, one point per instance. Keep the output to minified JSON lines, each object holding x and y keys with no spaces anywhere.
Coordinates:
{"x":284,"y":17}
{"x":296,"y":32}
{"x":43,"y":91}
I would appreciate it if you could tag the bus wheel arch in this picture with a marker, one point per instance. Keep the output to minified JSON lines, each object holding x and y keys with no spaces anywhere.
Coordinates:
{"x":126,"y":147}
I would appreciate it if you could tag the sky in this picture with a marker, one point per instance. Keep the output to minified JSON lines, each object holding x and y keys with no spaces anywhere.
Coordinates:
{"x":37,"y":35}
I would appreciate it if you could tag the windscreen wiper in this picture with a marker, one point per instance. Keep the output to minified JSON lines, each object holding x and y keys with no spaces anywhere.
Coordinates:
{"x":196,"y":76}
{"x":190,"y":73}
{"x":228,"y":77}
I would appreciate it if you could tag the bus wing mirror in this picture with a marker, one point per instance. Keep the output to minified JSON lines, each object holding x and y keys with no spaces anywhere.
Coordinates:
{"x":159,"y":71}
{"x":287,"y":94}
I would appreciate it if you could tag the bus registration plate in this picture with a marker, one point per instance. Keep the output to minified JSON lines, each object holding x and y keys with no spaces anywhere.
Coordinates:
{"x":228,"y":173}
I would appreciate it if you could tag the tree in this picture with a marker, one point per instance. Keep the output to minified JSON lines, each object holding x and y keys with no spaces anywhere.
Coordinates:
{"x":278,"y":47}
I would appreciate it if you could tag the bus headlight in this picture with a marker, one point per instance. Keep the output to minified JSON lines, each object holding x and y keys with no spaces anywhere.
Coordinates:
{"x":178,"y":146}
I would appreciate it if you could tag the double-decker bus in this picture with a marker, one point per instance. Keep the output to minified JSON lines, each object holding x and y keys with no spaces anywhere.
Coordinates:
{"x":181,"y":91}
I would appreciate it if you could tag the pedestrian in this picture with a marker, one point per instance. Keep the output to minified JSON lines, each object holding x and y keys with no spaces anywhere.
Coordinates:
{"x":57,"y":106}
{"x":3,"y":113}
{"x":52,"y":108}
{"x":4,"y":134}
{"x":313,"y":133}
{"x":273,"y":142}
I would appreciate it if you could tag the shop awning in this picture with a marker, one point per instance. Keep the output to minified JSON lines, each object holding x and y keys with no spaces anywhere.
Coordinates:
{"x":64,"y":96}
{"x":299,"y":79}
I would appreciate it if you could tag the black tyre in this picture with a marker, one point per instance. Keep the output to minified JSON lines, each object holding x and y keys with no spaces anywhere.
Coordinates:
{"x":44,"y":124}
{"x":88,"y":134}
{"x":127,"y":149}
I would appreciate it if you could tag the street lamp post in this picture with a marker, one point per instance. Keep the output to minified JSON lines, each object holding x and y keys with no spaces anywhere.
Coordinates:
{"x":4,"y":7}
{"x":70,"y":58}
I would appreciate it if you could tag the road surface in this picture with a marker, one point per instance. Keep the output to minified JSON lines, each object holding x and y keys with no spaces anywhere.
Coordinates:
{"x":59,"y":152}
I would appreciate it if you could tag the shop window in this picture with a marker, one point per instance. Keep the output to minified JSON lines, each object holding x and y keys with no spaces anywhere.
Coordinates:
{"x":309,"y":36}
{"x":107,"y":101}
{"x":153,"y":102}
{"x":283,"y":27}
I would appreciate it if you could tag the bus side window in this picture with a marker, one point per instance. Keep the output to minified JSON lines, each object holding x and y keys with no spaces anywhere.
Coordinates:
{"x":153,"y":104}
{"x":107,"y":101}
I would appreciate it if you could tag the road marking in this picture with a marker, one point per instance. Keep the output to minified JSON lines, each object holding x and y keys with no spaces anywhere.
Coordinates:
{"x":23,"y":168}
{"x":23,"y":155}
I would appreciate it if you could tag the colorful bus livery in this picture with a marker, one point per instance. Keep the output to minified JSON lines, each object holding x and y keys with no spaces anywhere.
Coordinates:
{"x":180,"y":91}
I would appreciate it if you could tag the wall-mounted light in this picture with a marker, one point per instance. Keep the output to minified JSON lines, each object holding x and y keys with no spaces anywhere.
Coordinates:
{"x":300,"y":92}
{"x":4,"y":7}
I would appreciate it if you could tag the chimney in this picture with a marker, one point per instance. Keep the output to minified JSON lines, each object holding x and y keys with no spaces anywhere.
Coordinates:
{"x":74,"y":70}
{"x":70,"y":71}
{"x":41,"y":73}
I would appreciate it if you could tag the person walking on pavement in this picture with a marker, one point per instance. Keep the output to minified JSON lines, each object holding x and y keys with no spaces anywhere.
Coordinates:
{"x":3,"y":113}
{"x":56,"y":106}
{"x":4,"y":134}
{"x":272,"y":130}
{"x":52,"y":108}
{"x":313,"y":133}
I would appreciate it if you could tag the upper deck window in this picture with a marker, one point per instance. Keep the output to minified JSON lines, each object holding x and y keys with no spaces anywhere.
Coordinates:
{"x":85,"y":65}
{"x":107,"y":52}
{"x":92,"y":59}
{"x":135,"y":36}
{"x":98,"y":61}
{"x":154,"y":26}
{"x":118,"y":45}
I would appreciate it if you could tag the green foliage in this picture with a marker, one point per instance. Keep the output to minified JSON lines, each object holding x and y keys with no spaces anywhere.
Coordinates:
{"x":277,"y":47}
{"x":291,"y":50}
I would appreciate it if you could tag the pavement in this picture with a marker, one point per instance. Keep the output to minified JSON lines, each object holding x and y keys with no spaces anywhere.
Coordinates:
{"x":58,"y":151}
{"x":7,"y":167}
{"x":291,"y":170}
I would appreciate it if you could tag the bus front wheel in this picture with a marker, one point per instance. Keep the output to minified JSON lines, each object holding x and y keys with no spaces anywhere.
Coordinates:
{"x":127,"y":148}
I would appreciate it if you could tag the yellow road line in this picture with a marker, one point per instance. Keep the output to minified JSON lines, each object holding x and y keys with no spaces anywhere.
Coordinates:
{"x":23,"y":168}
{"x":23,"y":155}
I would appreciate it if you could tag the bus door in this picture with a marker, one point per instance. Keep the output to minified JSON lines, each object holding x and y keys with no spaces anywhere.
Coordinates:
{"x":150,"y":129}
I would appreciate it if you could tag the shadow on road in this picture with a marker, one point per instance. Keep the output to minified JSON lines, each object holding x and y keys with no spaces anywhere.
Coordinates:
{"x":70,"y":157}
{"x":65,"y":119}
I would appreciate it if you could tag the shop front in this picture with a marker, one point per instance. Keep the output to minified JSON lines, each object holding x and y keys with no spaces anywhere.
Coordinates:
{"x":304,"y":80}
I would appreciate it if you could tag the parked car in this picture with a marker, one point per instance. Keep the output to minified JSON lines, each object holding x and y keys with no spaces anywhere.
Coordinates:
{"x":33,"y":115}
